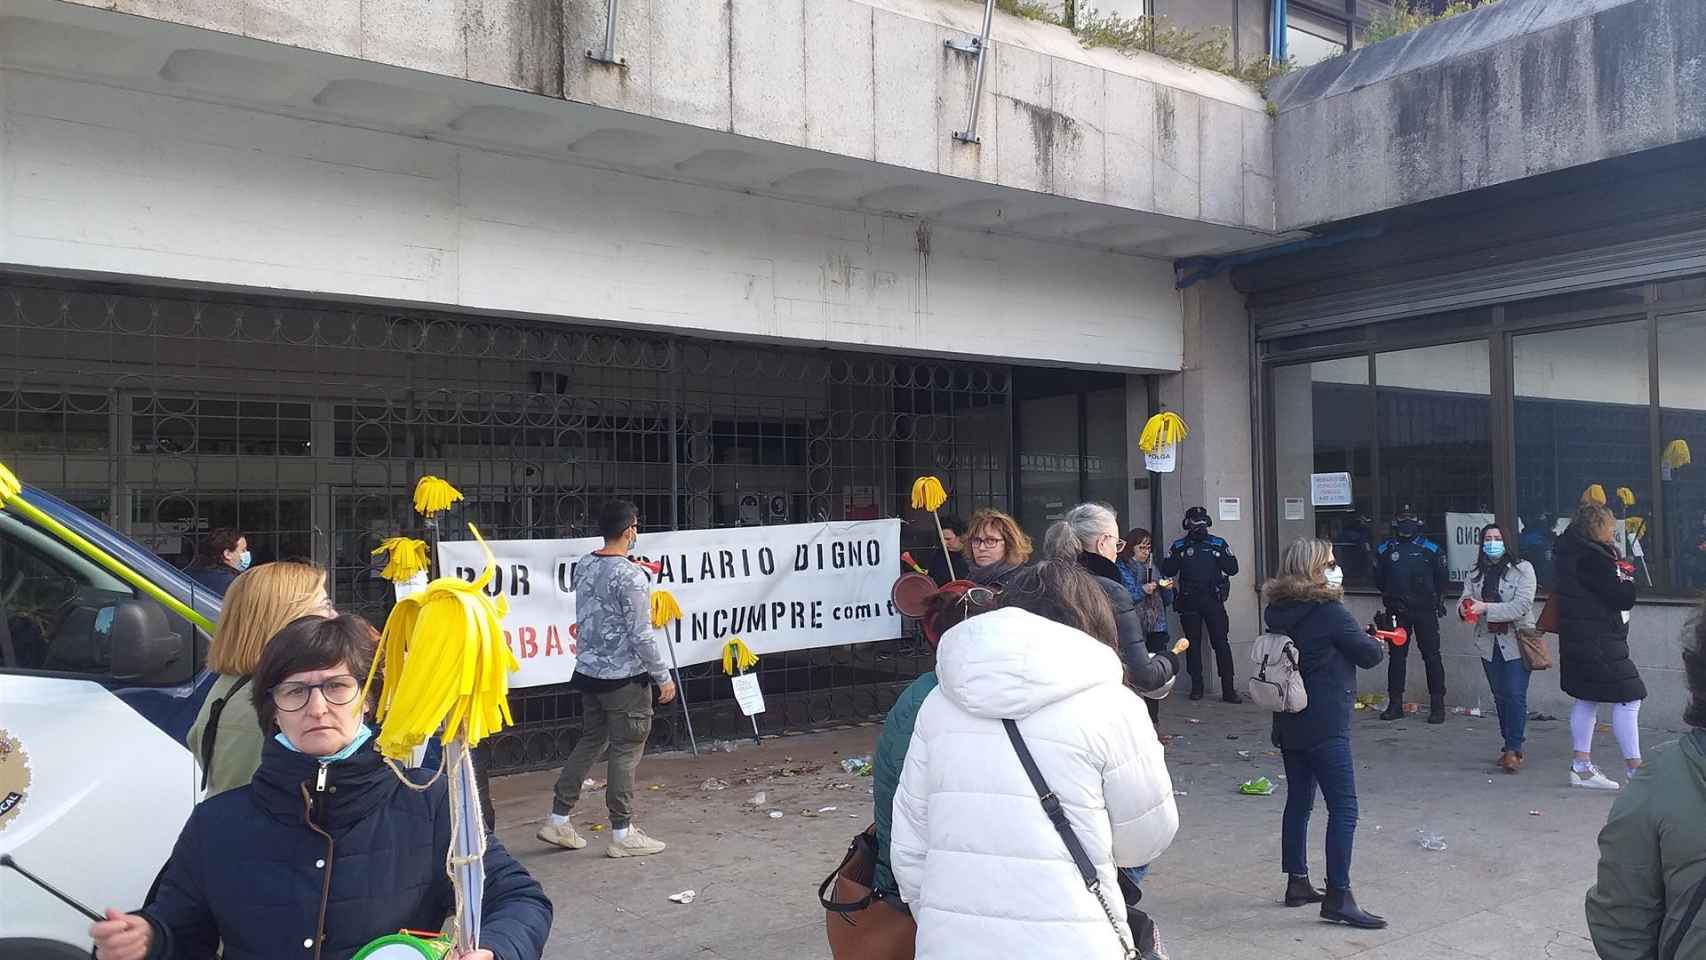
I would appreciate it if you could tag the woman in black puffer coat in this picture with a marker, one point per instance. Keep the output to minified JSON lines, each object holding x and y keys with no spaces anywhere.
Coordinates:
{"x":1089,"y":535}
{"x":326,"y":849}
{"x":1595,"y":591}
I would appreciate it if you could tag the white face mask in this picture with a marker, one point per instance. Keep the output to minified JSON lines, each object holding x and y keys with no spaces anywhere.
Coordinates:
{"x":1335,"y":576}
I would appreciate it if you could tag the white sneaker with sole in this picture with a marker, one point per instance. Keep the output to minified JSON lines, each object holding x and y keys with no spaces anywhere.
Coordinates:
{"x":635,"y":844}
{"x":1593,"y":781}
{"x":562,"y":836}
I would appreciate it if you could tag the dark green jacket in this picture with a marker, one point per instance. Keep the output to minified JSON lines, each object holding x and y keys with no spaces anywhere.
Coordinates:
{"x":886,"y":767}
{"x":1652,"y":861}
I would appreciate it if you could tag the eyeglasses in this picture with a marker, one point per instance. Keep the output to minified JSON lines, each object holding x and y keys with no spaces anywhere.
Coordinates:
{"x":339,"y":691}
{"x":1119,"y":545}
{"x":988,"y":541}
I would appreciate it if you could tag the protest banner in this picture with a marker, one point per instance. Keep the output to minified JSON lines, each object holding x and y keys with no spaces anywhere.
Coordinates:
{"x":785,"y":587}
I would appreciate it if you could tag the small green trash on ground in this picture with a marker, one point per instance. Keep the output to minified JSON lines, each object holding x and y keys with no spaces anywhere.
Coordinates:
{"x":1259,"y":787}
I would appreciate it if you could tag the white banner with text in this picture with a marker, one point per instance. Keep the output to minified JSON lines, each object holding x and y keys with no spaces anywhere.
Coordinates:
{"x":787,"y":587}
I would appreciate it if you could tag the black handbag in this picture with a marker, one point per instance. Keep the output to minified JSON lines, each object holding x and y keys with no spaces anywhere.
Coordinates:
{"x":1143,"y":929}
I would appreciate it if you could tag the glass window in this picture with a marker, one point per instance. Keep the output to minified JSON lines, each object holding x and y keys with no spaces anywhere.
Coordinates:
{"x":1048,"y":461}
{"x":1431,"y":414}
{"x":1581,"y":419}
{"x":1324,"y":419}
{"x":1310,"y":39}
{"x":184,"y":426}
{"x":1107,"y":438}
{"x":1682,"y":430}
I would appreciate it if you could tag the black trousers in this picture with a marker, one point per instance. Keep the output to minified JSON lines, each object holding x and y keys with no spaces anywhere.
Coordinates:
{"x":1424,"y":633}
{"x":1208,"y":615}
{"x":1156,"y":644}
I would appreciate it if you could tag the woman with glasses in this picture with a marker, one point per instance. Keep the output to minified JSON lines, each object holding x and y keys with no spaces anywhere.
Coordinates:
{"x":326,"y":849}
{"x":1151,"y":592}
{"x":995,"y":546}
{"x":225,"y":737}
{"x":1089,"y":535}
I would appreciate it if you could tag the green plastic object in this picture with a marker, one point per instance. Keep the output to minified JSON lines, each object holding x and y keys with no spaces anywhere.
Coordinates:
{"x":403,"y":946}
{"x":1259,"y":787}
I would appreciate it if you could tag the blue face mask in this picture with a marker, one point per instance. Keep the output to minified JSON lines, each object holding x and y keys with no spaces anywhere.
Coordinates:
{"x":361,"y":737}
{"x":243,"y":561}
{"x":1494,"y":549}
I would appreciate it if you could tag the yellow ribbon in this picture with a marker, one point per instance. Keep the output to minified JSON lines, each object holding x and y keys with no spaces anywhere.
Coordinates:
{"x":11,"y":495}
{"x":737,"y":656}
{"x":408,"y":557}
{"x":1677,"y":454}
{"x":664,"y":608}
{"x":1626,"y":496}
{"x":433,"y":495}
{"x":927,"y":494}
{"x":1594,"y":494}
{"x":1162,"y":431}
{"x":447,"y":664}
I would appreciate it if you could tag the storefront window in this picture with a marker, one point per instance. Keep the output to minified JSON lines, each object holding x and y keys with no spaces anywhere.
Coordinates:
{"x":1582,"y":419}
{"x":1682,"y":430}
{"x":1436,"y":455}
{"x":1324,"y":461}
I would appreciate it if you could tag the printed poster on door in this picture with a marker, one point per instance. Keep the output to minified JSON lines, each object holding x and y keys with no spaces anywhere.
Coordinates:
{"x":1463,"y":542}
{"x":784,"y":587}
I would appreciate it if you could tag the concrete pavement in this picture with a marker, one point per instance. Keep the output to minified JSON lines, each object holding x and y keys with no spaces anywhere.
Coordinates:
{"x":1520,"y":849}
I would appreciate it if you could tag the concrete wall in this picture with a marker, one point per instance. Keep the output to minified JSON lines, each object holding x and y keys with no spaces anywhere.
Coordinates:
{"x":99,"y":179}
{"x":1511,"y":90}
{"x":1212,"y":394}
{"x":862,"y":78}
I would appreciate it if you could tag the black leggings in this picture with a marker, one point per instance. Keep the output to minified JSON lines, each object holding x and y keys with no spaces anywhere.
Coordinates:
{"x":1156,"y":644}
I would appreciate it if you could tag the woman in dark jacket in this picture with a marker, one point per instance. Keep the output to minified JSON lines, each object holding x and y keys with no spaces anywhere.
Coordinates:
{"x":1090,"y":536}
{"x":1304,"y":603}
{"x":995,"y":547}
{"x":1595,"y":591}
{"x":224,"y":553}
{"x":326,"y":849}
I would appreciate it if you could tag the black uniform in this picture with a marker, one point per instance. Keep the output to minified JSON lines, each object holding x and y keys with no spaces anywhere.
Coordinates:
{"x":1204,"y":566}
{"x":1412,"y":577}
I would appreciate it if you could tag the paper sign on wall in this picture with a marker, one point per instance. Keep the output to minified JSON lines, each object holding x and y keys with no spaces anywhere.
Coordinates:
{"x":1294,"y":508}
{"x":1330,"y":489}
{"x":1463,"y":542}
{"x":748,"y":694}
{"x":1231,"y":508}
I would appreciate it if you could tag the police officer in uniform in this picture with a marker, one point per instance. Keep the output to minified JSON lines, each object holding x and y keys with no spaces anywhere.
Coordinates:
{"x":1410,"y":572}
{"x":1204,"y":566}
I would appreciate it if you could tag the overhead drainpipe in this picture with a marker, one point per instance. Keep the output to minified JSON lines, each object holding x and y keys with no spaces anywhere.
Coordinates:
{"x":979,"y":47}
{"x":1276,"y":36}
{"x":609,"y":55}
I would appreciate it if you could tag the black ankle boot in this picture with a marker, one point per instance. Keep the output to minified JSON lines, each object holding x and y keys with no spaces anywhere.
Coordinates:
{"x":1228,"y":694}
{"x":1436,"y":710}
{"x":1394,"y":708}
{"x":1299,"y":891}
{"x":1196,"y":689}
{"x":1341,"y":907}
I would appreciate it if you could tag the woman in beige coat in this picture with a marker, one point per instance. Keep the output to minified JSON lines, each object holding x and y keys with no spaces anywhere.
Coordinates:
{"x":226,"y":737}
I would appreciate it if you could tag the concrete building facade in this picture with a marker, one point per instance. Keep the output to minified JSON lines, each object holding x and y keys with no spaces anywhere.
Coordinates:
{"x":758,"y":262}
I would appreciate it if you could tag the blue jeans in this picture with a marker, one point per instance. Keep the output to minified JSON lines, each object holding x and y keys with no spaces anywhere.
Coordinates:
{"x":1509,"y":680}
{"x":1327,"y":765}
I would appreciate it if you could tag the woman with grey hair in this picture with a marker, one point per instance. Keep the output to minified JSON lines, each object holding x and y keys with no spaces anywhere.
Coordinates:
{"x":1089,"y":535}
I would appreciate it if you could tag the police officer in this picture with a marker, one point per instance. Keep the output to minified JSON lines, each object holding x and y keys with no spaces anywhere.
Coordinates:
{"x":1204,"y":566}
{"x":1410,"y":571}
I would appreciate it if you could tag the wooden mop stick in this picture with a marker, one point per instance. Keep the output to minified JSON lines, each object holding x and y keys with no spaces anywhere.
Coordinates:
{"x":942,"y":538}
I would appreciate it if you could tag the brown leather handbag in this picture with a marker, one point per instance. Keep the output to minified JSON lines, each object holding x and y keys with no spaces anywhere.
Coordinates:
{"x":1549,"y":615}
{"x":1532,"y":645}
{"x":861,"y":923}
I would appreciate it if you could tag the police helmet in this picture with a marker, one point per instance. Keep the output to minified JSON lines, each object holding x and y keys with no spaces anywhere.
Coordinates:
{"x":1197,"y":518}
{"x":1407,"y":524}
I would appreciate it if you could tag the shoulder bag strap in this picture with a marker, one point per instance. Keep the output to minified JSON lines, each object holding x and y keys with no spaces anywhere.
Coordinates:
{"x":863,"y":846}
{"x":210,"y":734}
{"x":1063,"y":826}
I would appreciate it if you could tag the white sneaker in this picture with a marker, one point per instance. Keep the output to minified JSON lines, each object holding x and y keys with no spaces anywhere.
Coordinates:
{"x":562,"y":836}
{"x":635,"y":844}
{"x":1596,"y":780}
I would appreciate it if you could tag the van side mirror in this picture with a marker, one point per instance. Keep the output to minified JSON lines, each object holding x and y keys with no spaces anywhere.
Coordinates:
{"x":144,"y":646}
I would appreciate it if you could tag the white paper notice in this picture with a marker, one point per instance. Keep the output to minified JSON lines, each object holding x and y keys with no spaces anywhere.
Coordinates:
{"x":1294,"y":508}
{"x":748,"y":694}
{"x":1231,"y":508}
{"x":1330,"y":489}
{"x":1162,"y":460}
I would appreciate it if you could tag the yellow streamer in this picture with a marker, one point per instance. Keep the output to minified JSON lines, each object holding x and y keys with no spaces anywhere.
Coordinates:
{"x":433,"y":495}
{"x":1677,"y":454}
{"x":407,"y":557}
{"x":1636,"y":526}
{"x":1162,"y":431}
{"x":664,"y":608}
{"x":1594,"y":494}
{"x":737,"y":656}
{"x":447,"y":664}
{"x":11,"y":495}
{"x":928,"y":494}
{"x":1626,"y":496}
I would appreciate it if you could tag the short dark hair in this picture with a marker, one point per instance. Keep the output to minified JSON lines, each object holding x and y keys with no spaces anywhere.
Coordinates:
{"x":215,"y":545}
{"x":954,"y":523}
{"x":615,"y":517}
{"x":1694,"y":668}
{"x":311,"y":643}
{"x":1134,"y":537}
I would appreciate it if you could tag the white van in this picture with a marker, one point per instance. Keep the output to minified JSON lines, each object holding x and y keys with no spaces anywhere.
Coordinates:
{"x":98,"y":687}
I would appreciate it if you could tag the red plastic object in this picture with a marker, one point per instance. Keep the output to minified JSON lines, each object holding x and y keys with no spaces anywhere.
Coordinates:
{"x":1466,"y":610}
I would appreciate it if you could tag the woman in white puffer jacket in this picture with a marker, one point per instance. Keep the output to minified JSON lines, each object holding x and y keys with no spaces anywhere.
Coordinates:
{"x":975,"y":856}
